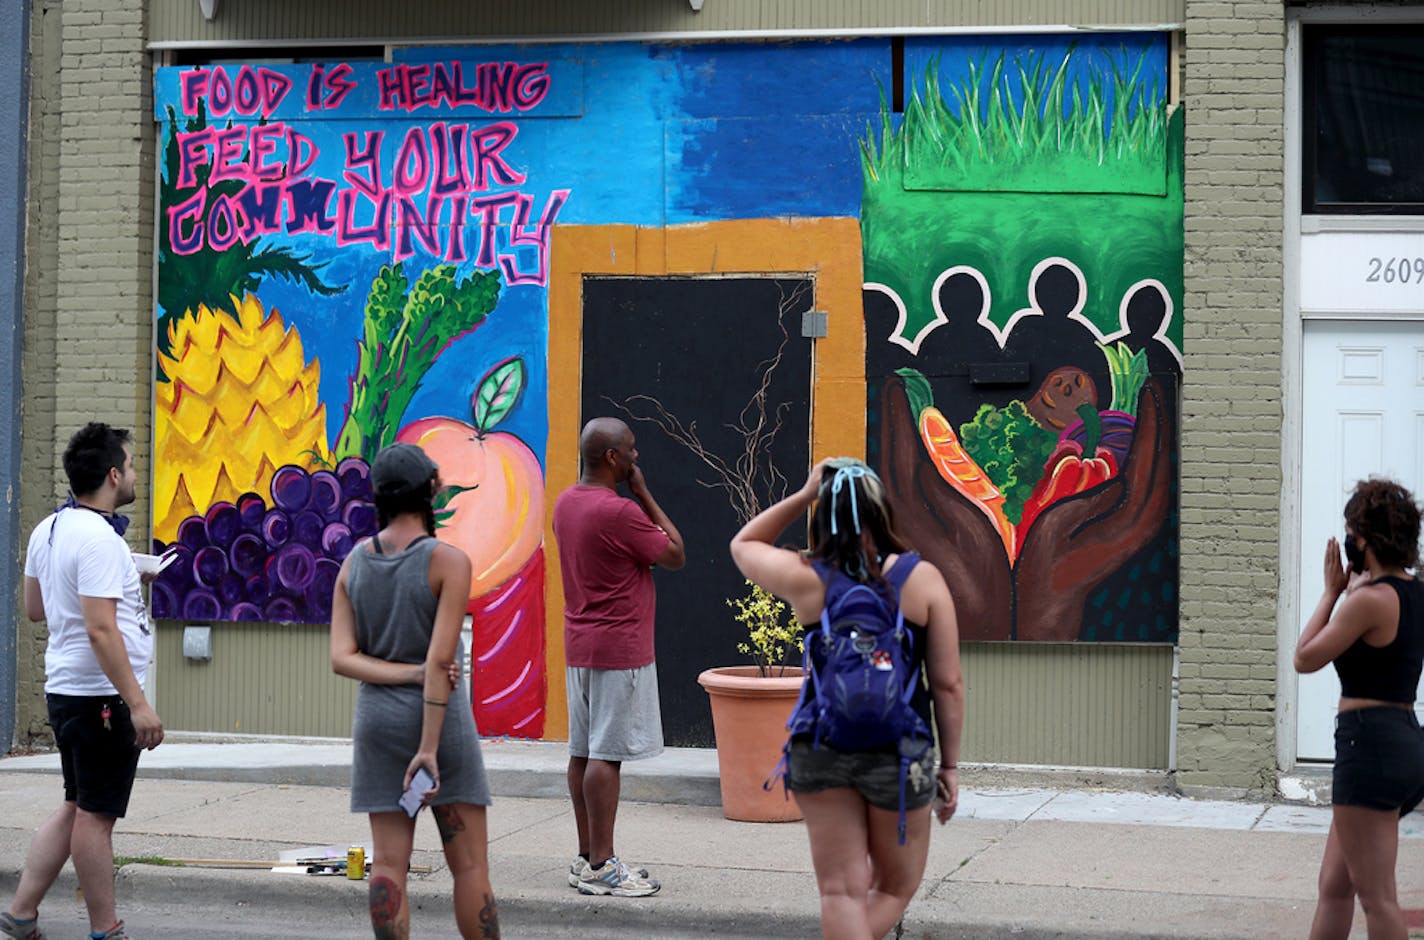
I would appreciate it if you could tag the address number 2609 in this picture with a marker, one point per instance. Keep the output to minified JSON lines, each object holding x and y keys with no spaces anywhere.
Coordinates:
{"x":1396,"y":270}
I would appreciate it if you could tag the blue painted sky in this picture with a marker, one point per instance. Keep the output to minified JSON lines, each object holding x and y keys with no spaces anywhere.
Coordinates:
{"x":1090,"y":55}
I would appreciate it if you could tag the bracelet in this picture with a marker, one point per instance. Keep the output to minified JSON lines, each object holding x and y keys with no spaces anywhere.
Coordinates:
{"x":431,"y":701}
{"x":948,"y":766}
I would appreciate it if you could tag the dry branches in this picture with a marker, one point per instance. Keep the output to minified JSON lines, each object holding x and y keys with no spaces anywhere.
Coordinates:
{"x":748,"y":476}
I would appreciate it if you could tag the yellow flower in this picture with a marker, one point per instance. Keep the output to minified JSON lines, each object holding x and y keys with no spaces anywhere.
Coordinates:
{"x":772,"y":634}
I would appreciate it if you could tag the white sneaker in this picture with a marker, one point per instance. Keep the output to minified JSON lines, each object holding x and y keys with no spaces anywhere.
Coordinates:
{"x":580,"y":864}
{"x":10,"y":928}
{"x":616,"y":879}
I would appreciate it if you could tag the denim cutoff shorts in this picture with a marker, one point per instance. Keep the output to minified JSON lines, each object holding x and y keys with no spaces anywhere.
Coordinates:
{"x":875,"y":775}
{"x":1379,"y":759}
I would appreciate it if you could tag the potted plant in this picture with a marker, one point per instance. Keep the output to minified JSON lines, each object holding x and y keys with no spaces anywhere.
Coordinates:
{"x":750,"y":707}
{"x":750,"y":704}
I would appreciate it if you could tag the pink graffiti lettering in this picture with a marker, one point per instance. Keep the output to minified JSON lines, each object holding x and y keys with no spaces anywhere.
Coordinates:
{"x":301,"y":154}
{"x":412,"y":170}
{"x":521,"y":236}
{"x":224,"y":150}
{"x":192,"y":153}
{"x":455,"y":250}
{"x":488,"y":142}
{"x":265,"y":138}
{"x":412,"y":224}
{"x":349,"y":231}
{"x":185,"y":224}
{"x":260,"y":208}
{"x":521,"y":239}
{"x":254,"y":91}
{"x":449,"y":147}
{"x":222,"y":223}
{"x":486,"y":209}
{"x":326,"y":90}
{"x":228,"y":161}
{"x":498,"y":86}
{"x":531,"y":86}
{"x":367,"y":158}
{"x":307,"y":202}
{"x":456,"y":157}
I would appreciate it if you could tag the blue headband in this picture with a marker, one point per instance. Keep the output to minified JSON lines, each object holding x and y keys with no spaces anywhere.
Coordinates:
{"x":842,"y":479}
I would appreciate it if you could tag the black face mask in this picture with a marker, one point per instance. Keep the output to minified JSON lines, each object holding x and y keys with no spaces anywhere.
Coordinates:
{"x":1354,"y":554}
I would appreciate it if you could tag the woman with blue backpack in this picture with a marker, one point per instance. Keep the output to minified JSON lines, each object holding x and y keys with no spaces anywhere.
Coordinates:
{"x":882,"y":670}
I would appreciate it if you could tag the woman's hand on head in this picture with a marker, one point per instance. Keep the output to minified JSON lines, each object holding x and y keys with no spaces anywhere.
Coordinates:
{"x":813,"y":481}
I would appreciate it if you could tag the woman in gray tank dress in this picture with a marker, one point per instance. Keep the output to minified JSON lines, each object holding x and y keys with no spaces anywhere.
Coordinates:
{"x":395,"y":625}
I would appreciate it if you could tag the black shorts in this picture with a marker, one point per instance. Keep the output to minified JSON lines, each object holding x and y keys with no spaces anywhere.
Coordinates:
{"x":1379,"y":759}
{"x":875,"y":775}
{"x":99,"y":763}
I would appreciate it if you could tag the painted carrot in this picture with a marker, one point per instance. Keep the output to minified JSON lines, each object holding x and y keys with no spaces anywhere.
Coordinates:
{"x":955,"y":466}
{"x":961,"y":472}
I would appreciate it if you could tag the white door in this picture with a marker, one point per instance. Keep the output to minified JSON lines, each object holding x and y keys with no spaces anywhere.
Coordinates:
{"x":1363,"y":415}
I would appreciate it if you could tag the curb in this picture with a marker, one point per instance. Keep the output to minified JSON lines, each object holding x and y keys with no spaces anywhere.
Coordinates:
{"x":523,"y":914}
{"x":558,"y":910}
{"x":509,"y":775}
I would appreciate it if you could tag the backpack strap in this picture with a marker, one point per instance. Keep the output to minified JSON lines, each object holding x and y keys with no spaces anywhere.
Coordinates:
{"x":900,"y":572}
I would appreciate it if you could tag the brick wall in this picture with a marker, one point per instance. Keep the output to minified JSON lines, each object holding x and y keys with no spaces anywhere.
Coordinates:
{"x":41,"y":279}
{"x":1233,"y":89}
{"x":88,"y":317}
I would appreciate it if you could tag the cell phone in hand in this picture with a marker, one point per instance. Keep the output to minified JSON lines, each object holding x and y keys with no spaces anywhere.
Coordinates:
{"x":414,"y":795}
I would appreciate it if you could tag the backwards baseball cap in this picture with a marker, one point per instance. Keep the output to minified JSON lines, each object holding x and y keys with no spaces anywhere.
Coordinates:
{"x":401,"y":468}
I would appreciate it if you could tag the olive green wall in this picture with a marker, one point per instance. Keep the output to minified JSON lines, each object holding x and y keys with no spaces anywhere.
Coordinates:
{"x":262,"y":679}
{"x":1061,"y":705}
{"x":179,"y":21}
{"x":1068,"y":705}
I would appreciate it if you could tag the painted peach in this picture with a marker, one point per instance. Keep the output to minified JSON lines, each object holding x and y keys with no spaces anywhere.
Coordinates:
{"x":499,"y":522}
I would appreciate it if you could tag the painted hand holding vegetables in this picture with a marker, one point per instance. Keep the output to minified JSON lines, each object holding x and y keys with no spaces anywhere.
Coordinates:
{"x":1016,"y":461}
{"x":1044,"y":500}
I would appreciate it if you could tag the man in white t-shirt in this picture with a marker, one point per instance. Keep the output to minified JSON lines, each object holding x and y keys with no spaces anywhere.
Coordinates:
{"x":81,"y":580}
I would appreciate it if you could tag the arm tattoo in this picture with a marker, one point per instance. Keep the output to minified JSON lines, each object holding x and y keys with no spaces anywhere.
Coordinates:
{"x":489,"y":918}
{"x":385,"y":901}
{"x":448,"y":821}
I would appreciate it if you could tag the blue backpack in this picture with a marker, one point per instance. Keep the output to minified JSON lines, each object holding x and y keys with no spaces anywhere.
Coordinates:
{"x":861,"y":674}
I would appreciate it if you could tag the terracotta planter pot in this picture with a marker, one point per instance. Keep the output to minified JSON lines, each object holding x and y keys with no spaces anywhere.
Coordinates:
{"x":749,"y":716}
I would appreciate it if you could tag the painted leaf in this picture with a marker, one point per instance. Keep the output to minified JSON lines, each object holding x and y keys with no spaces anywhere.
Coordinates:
{"x":498,"y":392}
{"x":441,"y":504}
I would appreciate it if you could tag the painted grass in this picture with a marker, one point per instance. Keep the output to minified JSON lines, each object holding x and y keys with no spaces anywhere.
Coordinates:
{"x":1021,"y":125}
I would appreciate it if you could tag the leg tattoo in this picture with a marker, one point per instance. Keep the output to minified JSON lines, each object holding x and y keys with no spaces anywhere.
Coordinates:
{"x":489,"y":918}
{"x":385,"y":900}
{"x":448,"y":821}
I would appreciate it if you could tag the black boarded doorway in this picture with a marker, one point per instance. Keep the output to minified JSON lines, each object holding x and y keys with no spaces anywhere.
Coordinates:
{"x":700,"y":347}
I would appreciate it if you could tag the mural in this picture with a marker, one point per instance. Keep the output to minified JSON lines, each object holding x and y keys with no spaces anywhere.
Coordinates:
{"x":356,"y":252}
{"x":308,"y":220}
{"x":1022,"y":227}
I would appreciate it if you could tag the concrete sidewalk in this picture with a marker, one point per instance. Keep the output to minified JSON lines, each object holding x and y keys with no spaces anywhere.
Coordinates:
{"x":1022,"y":862}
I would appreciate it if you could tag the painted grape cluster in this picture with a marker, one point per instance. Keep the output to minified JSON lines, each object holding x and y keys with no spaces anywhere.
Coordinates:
{"x":250,"y":561}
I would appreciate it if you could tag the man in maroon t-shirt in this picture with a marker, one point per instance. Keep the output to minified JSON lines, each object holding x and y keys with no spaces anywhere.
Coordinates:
{"x":607,"y":547}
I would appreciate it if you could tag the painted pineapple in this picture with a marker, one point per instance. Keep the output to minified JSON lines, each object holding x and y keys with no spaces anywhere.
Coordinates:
{"x":240,"y":401}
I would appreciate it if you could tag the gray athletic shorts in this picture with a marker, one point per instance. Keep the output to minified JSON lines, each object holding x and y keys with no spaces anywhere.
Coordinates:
{"x":614,"y":714}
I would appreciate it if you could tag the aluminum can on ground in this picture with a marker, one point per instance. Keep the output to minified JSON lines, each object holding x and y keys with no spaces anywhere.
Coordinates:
{"x":356,"y":862}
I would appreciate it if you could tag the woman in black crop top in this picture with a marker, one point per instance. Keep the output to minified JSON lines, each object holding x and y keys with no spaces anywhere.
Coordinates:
{"x":1374,"y":635}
